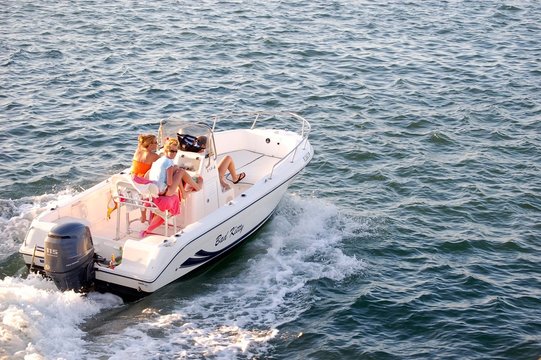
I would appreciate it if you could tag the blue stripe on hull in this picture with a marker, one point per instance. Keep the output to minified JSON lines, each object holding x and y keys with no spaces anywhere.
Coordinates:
{"x":203,"y":256}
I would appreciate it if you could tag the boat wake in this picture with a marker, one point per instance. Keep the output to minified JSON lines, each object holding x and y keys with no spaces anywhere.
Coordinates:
{"x":39,"y":321}
{"x":16,"y":216}
{"x":240,"y":314}
{"x":235,"y":311}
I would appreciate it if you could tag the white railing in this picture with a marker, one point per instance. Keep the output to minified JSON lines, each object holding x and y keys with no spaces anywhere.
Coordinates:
{"x":261,"y":117}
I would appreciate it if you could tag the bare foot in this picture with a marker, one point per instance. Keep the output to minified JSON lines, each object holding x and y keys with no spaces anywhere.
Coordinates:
{"x":200,"y":182}
{"x":224,"y":184}
{"x":239,"y":177}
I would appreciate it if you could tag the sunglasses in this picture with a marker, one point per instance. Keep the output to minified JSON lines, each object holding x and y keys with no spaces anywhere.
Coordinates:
{"x":173,"y":151}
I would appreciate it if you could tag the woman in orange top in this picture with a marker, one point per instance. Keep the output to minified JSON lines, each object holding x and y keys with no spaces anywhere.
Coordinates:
{"x":144,"y":156}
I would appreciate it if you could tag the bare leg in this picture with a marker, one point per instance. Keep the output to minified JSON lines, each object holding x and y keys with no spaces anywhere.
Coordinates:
{"x":179,"y":178}
{"x":154,"y":223}
{"x":227,"y":164}
{"x":187,"y":180}
{"x":143,"y":215}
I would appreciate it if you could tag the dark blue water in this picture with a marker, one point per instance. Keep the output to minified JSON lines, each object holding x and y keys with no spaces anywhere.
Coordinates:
{"x":413,"y":234}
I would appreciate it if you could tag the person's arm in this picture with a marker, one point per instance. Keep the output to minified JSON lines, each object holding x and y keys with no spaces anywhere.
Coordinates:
{"x":170,"y":172}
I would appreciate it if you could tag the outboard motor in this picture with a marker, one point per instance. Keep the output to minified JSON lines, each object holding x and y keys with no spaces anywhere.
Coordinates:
{"x":69,"y":256}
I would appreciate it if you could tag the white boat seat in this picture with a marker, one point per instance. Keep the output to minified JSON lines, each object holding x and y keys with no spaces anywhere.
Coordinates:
{"x":131,"y":195}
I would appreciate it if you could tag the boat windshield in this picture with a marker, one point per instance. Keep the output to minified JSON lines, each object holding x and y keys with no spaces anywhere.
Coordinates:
{"x":192,"y":136}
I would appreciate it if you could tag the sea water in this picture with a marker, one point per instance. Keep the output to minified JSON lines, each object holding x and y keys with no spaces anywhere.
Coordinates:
{"x":413,"y":233}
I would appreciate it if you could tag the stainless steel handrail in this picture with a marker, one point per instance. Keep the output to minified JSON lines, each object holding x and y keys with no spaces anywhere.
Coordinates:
{"x":305,"y":125}
{"x":304,"y":131}
{"x":304,"y":140}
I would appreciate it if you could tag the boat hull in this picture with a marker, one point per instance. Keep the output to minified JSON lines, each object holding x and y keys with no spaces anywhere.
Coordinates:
{"x":192,"y":254}
{"x":212,"y":222}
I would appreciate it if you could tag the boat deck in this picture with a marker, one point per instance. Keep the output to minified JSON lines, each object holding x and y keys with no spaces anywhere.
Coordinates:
{"x":254,"y":165}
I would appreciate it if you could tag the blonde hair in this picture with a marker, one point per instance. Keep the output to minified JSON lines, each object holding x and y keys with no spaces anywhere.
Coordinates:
{"x":145,"y":140}
{"x":170,"y":142}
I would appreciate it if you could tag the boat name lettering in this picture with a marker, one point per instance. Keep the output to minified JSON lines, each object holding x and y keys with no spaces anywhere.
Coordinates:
{"x":233,"y":231}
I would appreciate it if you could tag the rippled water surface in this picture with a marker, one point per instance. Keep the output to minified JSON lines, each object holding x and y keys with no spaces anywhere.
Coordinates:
{"x":414,"y":233}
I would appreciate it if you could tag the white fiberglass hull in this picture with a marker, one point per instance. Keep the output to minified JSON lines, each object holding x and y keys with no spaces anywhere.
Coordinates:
{"x":204,"y":244}
{"x":213,"y":220}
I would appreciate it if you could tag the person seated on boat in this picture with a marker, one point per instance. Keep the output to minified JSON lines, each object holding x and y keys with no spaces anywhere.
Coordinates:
{"x":143,"y":157}
{"x":191,"y":143}
{"x":225,"y":164}
{"x":170,"y":179}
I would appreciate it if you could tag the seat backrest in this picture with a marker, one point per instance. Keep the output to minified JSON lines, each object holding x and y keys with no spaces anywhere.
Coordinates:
{"x":125,"y":189}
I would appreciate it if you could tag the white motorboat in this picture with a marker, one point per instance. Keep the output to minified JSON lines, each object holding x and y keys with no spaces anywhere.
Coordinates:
{"x":80,"y":246}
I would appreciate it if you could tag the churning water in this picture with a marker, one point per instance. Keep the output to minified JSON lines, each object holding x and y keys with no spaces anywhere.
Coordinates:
{"x":414,"y":233}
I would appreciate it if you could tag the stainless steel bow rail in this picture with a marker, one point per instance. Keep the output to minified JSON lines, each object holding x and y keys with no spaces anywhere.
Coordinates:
{"x":260,"y":117}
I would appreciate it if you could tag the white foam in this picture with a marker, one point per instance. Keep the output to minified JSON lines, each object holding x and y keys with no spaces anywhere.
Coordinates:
{"x":16,"y":216}
{"x":36,"y":320}
{"x":39,"y":322}
{"x":241,"y":313}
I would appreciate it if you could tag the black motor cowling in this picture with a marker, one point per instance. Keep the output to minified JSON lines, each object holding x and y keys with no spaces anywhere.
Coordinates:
{"x":69,"y":256}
